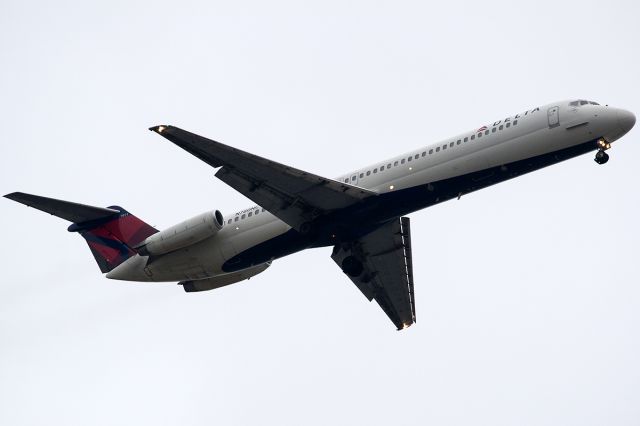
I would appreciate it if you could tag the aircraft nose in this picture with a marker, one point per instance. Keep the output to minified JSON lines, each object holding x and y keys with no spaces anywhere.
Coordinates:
{"x":626,"y":120}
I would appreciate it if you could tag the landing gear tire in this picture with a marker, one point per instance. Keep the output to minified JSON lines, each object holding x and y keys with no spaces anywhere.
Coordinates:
{"x":352,"y":266}
{"x":601,"y":157}
{"x":305,"y":228}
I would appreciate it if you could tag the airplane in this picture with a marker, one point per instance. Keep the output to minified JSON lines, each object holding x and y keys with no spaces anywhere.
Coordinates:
{"x":361,"y":214}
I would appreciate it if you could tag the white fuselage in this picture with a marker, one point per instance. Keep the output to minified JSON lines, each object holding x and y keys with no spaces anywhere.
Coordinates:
{"x":533,"y":133}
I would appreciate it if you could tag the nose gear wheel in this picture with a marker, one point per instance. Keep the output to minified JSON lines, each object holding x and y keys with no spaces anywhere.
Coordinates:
{"x":601,"y":157}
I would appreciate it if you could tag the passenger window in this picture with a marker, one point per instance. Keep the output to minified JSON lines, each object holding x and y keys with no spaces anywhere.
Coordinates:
{"x":459,"y":142}
{"x":368,"y":172}
{"x":395,"y":164}
{"x":473,"y":137}
{"x":486,"y":132}
{"x":480,"y":134}
{"x":451,"y":145}
{"x":508,"y":124}
{"x":515,"y":122}
{"x":389,"y":166}
{"x":501,"y":127}
{"x":243,"y":216}
{"x":466,"y":139}
{"x":402,"y":161}
{"x":424,"y":154}
{"x":430,"y":151}
{"x":361,"y":175}
{"x":493,"y":130}
{"x":346,"y":180}
{"x":409,"y":159}
{"x":236,"y":219}
{"x":415,"y":157}
{"x":229,"y":221}
{"x":257,"y":211}
{"x":375,"y":170}
{"x":382,"y":167}
{"x":250,"y":214}
{"x":262,"y":210}
{"x":444,"y":147}
{"x":438,"y":149}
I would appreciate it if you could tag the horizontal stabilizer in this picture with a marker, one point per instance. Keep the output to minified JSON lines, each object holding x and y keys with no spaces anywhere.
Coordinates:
{"x":73,"y":212}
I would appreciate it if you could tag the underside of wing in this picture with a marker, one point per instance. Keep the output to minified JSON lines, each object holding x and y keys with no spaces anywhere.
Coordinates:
{"x":380,"y":265}
{"x":295,"y":196}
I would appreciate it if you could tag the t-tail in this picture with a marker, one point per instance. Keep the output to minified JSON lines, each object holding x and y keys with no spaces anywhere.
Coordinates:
{"x":112,"y":233}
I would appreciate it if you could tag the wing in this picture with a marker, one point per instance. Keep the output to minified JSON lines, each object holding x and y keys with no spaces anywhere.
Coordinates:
{"x":380,"y":265}
{"x":295,"y":196}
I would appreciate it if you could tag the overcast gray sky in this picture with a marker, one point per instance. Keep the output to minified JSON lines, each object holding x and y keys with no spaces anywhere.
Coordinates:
{"x":528,"y":296}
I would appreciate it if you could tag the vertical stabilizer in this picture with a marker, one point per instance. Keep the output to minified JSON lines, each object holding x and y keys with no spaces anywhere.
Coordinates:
{"x":111,"y":232}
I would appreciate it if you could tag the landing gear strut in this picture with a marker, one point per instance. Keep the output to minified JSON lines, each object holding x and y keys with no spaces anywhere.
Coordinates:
{"x":601,"y":156}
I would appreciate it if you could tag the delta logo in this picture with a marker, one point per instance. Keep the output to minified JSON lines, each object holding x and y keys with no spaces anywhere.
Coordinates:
{"x":508,"y":119}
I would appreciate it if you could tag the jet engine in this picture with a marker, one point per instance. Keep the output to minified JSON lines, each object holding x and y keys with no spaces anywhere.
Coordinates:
{"x":223,"y":279}
{"x":182,"y":235}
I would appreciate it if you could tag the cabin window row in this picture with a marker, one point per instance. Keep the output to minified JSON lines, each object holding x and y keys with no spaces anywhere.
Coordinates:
{"x":431,"y":151}
{"x":245,"y":215}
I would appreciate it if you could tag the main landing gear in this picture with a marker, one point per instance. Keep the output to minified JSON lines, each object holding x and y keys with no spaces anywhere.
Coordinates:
{"x":601,"y":156}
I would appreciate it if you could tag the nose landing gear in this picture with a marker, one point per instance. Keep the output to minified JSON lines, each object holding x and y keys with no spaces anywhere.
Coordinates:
{"x":601,"y":156}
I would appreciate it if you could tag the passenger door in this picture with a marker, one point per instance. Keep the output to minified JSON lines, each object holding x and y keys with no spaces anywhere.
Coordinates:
{"x":553,"y":115}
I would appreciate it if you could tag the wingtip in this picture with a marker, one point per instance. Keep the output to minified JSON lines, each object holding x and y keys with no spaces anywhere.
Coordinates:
{"x":159,"y":129}
{"x":12,"y":195}
{"x":405,"y":325}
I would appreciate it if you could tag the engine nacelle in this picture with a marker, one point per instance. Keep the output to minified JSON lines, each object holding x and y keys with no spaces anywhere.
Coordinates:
{"x":223,"y":279}
{"x":182,"y":235}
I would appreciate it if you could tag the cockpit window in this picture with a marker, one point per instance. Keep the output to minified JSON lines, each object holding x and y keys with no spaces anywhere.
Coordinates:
{"x":582,"y":102}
